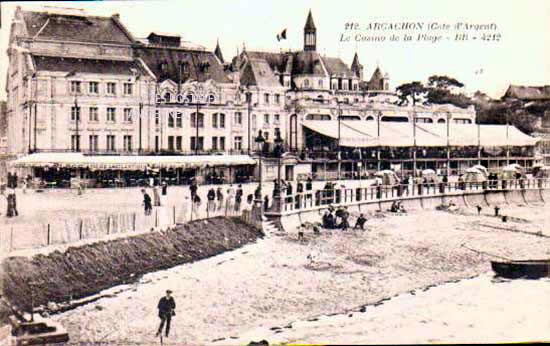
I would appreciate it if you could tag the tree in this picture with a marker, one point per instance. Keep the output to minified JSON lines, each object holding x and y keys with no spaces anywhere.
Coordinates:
{"x":410,"y":90}
{"x":443,"y":82}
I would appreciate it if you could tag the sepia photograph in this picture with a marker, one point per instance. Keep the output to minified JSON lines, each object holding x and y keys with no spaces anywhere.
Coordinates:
{"x":274,"y":172}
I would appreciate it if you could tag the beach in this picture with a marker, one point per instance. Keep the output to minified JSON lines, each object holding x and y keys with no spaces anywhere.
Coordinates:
{"x":280,"y":280}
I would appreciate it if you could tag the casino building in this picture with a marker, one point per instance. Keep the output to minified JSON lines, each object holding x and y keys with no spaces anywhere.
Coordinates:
{"x":84,"y":84}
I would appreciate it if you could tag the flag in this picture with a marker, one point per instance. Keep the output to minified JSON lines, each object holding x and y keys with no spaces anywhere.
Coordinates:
{"x":282,"y":35}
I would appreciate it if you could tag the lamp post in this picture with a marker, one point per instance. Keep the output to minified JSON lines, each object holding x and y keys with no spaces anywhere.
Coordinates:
{"x":248,"y":94}
{"x":260,"y":140}
{"x":279,"y":153}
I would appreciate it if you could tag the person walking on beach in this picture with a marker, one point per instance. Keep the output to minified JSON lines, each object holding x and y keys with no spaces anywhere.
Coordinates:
{"x":147,"y":202}
{"x":166,"y":307}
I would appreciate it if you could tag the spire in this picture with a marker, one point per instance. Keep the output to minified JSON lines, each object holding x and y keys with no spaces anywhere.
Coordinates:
{"x":356,"y":67}
{"x":309,"y":22}
{"x":218,"y":51}
{"x":310,"y":34}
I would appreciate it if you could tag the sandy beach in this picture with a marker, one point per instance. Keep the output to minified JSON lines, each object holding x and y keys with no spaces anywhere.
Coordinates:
{"x":279,"y":280}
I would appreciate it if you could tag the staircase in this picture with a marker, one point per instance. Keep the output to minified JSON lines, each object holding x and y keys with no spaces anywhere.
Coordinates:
{"x":269,"y":228}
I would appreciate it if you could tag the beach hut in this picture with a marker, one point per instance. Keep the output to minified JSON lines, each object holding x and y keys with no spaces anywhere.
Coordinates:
{"x":474,"y":175}
{"x":482,"y":169}
{"x":430,"y":176}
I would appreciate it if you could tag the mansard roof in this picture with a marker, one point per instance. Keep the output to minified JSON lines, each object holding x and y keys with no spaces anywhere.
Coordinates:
{"x":336,"y":67}
{"x":55,"y":26}
{"x":164,"y":62}
{"x":80,"y":65}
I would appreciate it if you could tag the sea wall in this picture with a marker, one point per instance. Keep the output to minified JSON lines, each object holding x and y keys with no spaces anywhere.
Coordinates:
{"x":86,"y":270}
{"x":290,"y":220}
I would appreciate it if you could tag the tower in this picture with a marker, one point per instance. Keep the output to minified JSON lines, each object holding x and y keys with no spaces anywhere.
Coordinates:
{"x":310,"y":34}
{"x":357,"y":68}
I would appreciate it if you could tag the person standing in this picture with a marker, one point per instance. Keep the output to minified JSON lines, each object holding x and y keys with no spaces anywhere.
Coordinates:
{"x":196,"y":206}
{"x":12,"y":204}
{"x":193,"y":188}
{"x":147,"y":202}
{"x":166,"y":307}
{"x":229,"y":201}
{"x":238,"y":198}
{"x":219,"y":197}
{"x":211,"y":196}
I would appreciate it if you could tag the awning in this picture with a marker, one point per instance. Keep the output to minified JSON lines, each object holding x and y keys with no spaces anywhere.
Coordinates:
{"x":79,"y":160}
{"x":392,"y":134}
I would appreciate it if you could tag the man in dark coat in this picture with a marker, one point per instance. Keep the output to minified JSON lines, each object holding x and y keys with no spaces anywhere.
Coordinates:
{"x":211,"y":196}
{"x":147,"y":205}
{"x":238,"y":198}
{"x":166,"y":307}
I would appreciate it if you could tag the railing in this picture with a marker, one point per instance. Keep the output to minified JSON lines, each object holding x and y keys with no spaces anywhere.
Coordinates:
{"x":311,"y":199}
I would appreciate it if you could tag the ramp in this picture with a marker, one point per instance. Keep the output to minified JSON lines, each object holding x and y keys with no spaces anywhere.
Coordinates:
{"x":475,"y":199}
{"x":495,"y":198}
{"x":532,"y":196}
{"x":514,"y":197}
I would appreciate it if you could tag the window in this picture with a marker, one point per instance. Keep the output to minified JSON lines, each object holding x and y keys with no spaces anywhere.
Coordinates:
{"x":75,"y":142}
{"x":179,"y":143}
{"x":127,"y":143}
{"x":266,"y":98}
{"x":189,"y":98}
{"x":277,"y":118}
{"x":171,"y":119}
{"x":317,"y":117}
{"x":171,"y":143}
{"x":211,"y":98}
{"x":75,"y":113}
{"x":157,"y":117}
{"x":462,"y":121}
{"x":222,"y":120}
{"x":199,"y":120}
{"x":354,"y":86}
{"x":93,"y":142}
{"x":306,"y":83}
{"x":238,"y":143}
{"x":200,"y":144}
{"x":93,"y":87}
{"x":94,"y":114}
{"x":277,"y":98}
{"x":214,"y":143}
{"x":75,"y":86}
{"x":167,"y":97}
{"x":111,"y":116}
{"x":266,"y":136}
{"x":111,"y":88}
{"x":320,"y":84}
{"x":370,"y":118}
{"x":179,"y":120}
{"x":110,"y":142}
{"x":128,"y":88}
{"x":128,"y":115}
{"x":441,"y":121}
{"x":222,"y":143}
{"x":266,"y":118}
{"x":215,"y":120}
{"x":238,"y":118}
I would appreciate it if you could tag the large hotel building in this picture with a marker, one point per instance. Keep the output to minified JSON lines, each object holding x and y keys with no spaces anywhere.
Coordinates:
{"x":82,"y":83}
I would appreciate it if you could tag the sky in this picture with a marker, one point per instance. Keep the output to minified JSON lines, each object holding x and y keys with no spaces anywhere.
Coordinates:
{"x":519,"y":57}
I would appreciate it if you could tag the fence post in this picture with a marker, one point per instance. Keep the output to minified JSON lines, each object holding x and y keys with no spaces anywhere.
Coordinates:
{"x":174,"y":214}
{"x":108,"y":224}
{"x":134,"y":222}
{"x":49,"y":235}
{"x":156,"y":218}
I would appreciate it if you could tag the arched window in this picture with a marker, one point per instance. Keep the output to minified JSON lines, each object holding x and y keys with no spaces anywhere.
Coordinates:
{"x":197,"y":120}
{"x":211,"y":98}
{"x":441,"y":121}
{"x":167,"y":97}
{"x":370,"y":118}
